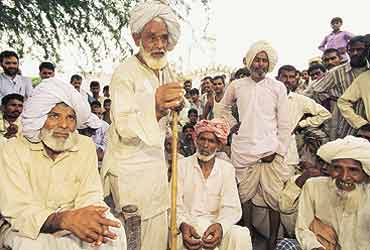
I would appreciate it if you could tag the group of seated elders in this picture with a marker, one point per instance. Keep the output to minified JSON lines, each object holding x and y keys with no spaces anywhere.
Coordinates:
{"x":51,"y":191}
{"x":208,"y":205}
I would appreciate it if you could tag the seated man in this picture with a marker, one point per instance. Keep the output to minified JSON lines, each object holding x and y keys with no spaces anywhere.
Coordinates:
{"x":208,"y":205}
{"x":333,"y":212}
{"x":10,"y":125}
{"x":50,"y":186}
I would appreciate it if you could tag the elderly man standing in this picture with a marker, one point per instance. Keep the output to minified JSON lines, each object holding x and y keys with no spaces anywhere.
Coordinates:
{"x":50,"y":186}
{"x":208,"y":205}
{"x":260,"y":146}
{"x":339,"y":219}
{"x":143,"y":90}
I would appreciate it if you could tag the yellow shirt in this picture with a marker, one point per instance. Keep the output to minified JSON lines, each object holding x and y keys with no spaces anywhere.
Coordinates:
{"x":135,"y":149}
{"x":350,"y":220}
{"x":33,"y":186}
{"x":359,"y":89}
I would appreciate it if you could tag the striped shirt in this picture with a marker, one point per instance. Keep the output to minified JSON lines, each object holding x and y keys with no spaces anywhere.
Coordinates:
{"x":331,"y":87}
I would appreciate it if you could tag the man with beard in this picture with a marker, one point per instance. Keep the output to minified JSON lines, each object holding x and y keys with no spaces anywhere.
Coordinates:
{"x":335,"y":82}
{"x":50,"y":186}
{"x":259,"y":148}
{"x":10,"y":125}
{"x":331,"y":58}
{"x":333,"y":212}
{"x":208,"y":205}
{"x":10,"y":81}
{"x":306,"y":117}
{"x":143,"y":91}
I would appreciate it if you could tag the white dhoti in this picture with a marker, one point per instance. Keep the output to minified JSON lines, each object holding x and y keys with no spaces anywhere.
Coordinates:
{"x":66,"y":242}
{"x":262,"y":182}
{"x":236,"y":238}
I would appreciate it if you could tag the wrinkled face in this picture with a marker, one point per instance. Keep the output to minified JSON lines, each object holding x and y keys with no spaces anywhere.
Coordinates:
{"x":95,"y":109}
{"x":95,"y":90}
{"x":155,"y":38}
{"x":76,"y":84}
{"x":10,"y":65}
{"x":260,"y":66}
{"x":207,"y":143}
{"x":62,"y":119}
{"x":289,"y":78}
{"x":356,"y":52}
{"x":46,"y":73}
{"x":336,"y":25}
{"x":331,"y":60}
{"x":347,"y":173}
{"x":13,"y":109}
{"x":193,"y":118}
{"x":218,"y":86}
{"x":316,"y":74}
{"x":188,"y":133}
{"x":206,"y":85}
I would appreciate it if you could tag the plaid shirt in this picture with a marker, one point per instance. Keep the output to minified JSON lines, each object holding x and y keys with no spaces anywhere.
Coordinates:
{"x":331,"y":87}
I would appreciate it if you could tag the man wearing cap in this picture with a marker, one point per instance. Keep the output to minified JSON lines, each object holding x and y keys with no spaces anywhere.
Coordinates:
{"x":333,"y":212}
{"x":50,"y":186}
{"x":259,"y":148}
{"x":143,"y":90}
{"x":208,"y":205}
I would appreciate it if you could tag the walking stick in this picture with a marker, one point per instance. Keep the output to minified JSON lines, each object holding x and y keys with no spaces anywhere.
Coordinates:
{"x":174,"y":181}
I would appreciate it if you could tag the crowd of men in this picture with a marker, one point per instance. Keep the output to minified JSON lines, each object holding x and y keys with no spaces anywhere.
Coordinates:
{"x":263,"y":162}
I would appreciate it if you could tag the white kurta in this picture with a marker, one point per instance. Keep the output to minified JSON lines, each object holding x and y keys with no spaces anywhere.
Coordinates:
{"x":202,"y":202}
{"x":350,"y":222}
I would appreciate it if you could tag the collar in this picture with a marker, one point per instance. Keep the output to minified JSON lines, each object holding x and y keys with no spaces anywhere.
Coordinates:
{"x":195,"y":165}
{"x":9,"y":78}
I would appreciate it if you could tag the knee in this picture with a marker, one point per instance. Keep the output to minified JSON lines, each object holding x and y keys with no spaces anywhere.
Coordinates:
{"x":238,"y":232}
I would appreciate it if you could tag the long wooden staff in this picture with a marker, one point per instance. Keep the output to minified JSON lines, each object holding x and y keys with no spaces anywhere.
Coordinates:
{"x":174,"y":117}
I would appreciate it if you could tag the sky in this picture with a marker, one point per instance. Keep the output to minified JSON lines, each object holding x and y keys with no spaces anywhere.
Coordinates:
{"x":294,"y":27}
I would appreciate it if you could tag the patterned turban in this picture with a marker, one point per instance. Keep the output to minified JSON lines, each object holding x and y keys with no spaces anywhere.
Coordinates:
{"x":259,"y":47}
{"x":217,"y":126}
{"x":349,"y":147}
{"x":145,"y":12}
{"x":44,"y":97}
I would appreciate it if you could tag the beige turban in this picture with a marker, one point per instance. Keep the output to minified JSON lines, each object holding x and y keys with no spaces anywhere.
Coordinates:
{"x":143,"y":13}
{"x":217,"y":126}
{"x":349,"y":147}
{"x":259,"y":47}
{"x":45,"y":96}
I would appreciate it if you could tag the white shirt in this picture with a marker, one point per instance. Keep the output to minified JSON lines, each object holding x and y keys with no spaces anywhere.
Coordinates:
{"x":263,"y":112}
{"x":101,"y":136}
{"x":214,"y":199}
{"x":19,"y":85}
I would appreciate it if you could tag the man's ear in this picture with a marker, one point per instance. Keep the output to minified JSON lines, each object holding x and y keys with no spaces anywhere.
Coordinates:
{"x":136,"y":38}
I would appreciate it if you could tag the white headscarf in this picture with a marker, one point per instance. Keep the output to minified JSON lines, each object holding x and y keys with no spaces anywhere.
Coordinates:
{"x":349,"y":147}
{"x":143,"y":13}
{"x":93,"y":122}
{"x":44,"y":97}
{"x":258,"y":47}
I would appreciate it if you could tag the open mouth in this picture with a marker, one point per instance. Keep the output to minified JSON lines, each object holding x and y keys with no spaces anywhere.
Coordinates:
{"x":346,"y":186}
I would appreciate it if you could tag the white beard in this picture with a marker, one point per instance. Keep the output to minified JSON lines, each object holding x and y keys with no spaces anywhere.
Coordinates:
{"x":205,"y":158}
{"x":350,"y":200}
{"x":57,"y":144}
{"x":153,"y":63}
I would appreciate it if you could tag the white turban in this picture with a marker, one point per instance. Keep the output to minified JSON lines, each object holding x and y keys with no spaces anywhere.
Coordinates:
{"x":258,"y":47}
{"x":143,"y":13}
{"x":44,"y":97}
{"x":349,"y":147}
{"x":93,"y":122}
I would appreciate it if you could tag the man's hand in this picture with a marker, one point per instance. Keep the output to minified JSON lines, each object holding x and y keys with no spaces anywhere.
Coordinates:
{"x":11,"y":131}
{"x":190,"y":238}
{"x":212,"y":237}
{"x":89,"y":224}
{"x":269,"y":158}
{"x":168,"y":96}
{"x":307,"y":174}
